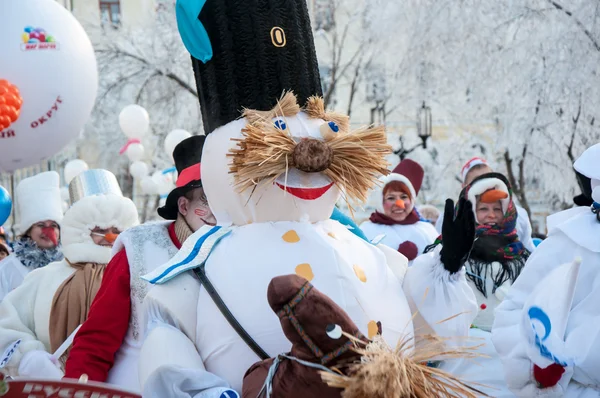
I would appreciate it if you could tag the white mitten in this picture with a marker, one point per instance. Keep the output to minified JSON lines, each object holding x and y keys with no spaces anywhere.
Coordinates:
{"x":40,"y":364}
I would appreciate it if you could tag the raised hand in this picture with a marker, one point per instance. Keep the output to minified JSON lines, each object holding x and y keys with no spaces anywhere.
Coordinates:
{"x":458,"y":234}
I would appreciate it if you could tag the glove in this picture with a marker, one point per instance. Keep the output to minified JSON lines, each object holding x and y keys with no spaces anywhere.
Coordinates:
{"x":458,"y":234}
{"x":409,"y":250}
{"x":548,"y":377}
{"x":40,"y":364}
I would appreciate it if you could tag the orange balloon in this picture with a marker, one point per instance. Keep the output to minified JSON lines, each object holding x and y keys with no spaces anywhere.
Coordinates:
{"x":12,"y":100}
{"x":2,"y":100}
{"x":4,"y":122}
{"x":12,"y":114}
{"x":3,"y":90}
{"x":4,"y":108}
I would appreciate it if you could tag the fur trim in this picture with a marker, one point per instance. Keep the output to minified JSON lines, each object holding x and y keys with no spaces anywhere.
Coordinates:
{"x":395,"y":177}
{"x":102,"y":211}
{"x":484,"y":185}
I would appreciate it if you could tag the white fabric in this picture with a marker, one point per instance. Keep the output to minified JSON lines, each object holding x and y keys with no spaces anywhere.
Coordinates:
{"x":583,"y":327}
{"x":422,"y":234}
{"x":334,"y":252}
{"x":394,"y":177}
{"x":12,"y":273}
{"x":40,"y":364}
{"x":267,"y":202}
{"x":38,"y":199}
{"x":25,"y":312}
{"x":588,"y":163}
{"x":523,"y":227}
{"x":147,"y":246}
{"x":103,"y":211}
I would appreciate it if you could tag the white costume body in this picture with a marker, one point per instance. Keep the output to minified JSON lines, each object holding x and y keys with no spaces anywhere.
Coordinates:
{"x":421,"y":233}
{"x":147,"y":247}
{"x":574,"y":233}
{"x":25,"y":312}
{"x":12,"y":274}
{"x":275,"y":233}
{"x":575,"y":237}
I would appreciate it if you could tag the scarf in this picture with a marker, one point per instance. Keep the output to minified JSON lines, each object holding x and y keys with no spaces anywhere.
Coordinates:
{"x":494,"y":243}
{"x":72,"y":301}
{"x":182,"y":229}
{"x":379,"y":218}
{"x":32,"y":256}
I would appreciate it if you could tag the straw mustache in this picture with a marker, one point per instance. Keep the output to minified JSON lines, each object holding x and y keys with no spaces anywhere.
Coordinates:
{"x":267,"y":152}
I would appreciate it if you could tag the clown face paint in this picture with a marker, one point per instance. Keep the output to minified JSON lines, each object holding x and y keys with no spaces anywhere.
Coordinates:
{"x":196,"y":211}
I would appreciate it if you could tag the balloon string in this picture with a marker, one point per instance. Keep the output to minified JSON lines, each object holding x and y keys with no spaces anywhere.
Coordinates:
{"x":129,"y":142}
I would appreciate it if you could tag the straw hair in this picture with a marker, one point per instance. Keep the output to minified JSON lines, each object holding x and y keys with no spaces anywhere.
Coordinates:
{"x":266,"y":152}
{"x":315,"y":108}
{"x":385,"y":372}
{"x":286,"y":106}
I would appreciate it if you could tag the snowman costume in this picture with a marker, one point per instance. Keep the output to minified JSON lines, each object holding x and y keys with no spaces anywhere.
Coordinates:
{"x":35,"y":313}
{"x":37,"y":199}
{"x":575,"y":234}
{"x":397,"y":235}
{"x":275,"y":224}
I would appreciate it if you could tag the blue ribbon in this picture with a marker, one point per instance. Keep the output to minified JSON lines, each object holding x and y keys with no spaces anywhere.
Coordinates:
{"x":192,"y":32}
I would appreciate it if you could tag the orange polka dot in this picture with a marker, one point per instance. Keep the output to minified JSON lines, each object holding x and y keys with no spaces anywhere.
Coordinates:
{"x":305,"y":271}
{"x":332,"y":235}
{"x":360,"y":273}
{"x":291,"y":236}
{"x":372,"y":329}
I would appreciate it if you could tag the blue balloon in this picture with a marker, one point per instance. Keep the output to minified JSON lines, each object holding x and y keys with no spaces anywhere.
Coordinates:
{"x":32,"y":41}
{"x":5,"y":205}
{"x":28,"y":29}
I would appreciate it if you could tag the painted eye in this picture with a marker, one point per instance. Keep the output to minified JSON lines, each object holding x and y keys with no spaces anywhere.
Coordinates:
{"x":280,"y":124}
{"x":334,"y":331}
{"x":329,"y":130}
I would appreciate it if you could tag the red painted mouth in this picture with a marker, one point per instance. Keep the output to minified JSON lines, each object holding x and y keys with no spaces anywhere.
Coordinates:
{"x":306,"y":193}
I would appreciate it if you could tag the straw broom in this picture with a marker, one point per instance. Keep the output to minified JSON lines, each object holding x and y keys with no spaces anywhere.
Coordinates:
{"x":401,"y":372}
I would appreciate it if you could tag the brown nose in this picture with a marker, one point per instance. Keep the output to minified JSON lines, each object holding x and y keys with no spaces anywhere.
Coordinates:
{"x":312,"y":156}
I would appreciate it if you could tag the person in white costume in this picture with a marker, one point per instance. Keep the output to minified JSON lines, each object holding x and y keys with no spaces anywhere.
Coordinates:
{"x":495,"y":262}
{"x":38,"y":207}
{"x":54,"y":300}
{"x":575,"y":234}
{"x":396,"y":218}
{"x":106,"y":348}
{"x":272,"y":178}
{"x":479,"y":166}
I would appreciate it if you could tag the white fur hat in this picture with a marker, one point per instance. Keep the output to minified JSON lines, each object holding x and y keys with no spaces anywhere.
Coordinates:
{"x":99,"y":203}
{"x":38,"y":199}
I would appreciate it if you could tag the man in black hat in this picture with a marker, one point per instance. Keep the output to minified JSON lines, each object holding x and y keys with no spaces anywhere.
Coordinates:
{"x":106,"y":348}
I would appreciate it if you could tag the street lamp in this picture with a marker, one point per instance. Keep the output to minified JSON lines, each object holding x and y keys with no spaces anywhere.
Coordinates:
{"x":423,"y":130}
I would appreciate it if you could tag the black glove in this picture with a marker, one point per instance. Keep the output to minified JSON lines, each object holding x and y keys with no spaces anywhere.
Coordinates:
{"x":458,"y":235}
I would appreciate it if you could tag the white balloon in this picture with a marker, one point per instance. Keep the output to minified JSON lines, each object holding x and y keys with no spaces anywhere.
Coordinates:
{"x":53,"y":66}
{"x":135,"y":152}
{"x":134,"y":121}
{"x":65,"y":206}
{"x":164,"y":182}
{"x":148,"y":186}
{"x":73,"y":169}
{"x":173,"y":139}
{"x":138,"y":169}
{"x":64,"y":194}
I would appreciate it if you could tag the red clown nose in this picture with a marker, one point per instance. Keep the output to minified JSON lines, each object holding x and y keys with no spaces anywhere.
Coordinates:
{"x":50,"y":234}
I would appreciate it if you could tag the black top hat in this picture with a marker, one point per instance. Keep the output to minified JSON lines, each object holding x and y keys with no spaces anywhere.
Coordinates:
{"x":258,"y":49}
{"x":187,"y":155}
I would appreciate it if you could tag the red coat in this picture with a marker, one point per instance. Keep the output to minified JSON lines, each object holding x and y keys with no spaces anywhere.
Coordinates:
{"x":101,"y":335}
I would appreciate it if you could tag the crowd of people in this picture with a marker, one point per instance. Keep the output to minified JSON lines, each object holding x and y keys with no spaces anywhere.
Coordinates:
{"x":256,"y":281}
